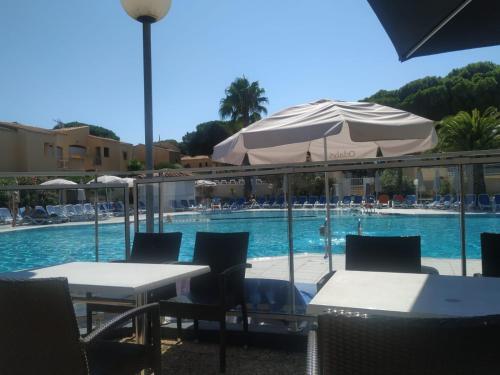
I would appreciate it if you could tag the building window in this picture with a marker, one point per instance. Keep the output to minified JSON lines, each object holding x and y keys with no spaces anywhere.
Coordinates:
{"x":206,"y":164}
{"x":48,"y":149}
{"x":77,"y":152}
{"x":97,"y":160}
{"x":106,"y":152}
{"x":201,"y":165}
{"x":125,"y":156}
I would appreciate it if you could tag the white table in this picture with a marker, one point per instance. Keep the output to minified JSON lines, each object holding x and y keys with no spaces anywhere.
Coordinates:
{"x":403,"y":294}
{"x":111,"y":279}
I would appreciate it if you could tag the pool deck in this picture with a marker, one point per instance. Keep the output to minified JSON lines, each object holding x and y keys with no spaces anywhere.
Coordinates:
{"x":177,"y":216}
{"x":309,"y":268}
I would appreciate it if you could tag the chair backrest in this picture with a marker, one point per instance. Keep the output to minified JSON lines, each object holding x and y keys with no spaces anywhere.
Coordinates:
{"x":156,"y":247}
{"x":490,"y":254}
{"x":383,"y":254}
{"x":220,"y":251}
{"x":376,"y":345}
{"x":39,"y":333}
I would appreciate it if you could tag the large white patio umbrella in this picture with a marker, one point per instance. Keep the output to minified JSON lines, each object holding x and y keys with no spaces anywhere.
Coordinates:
{"x":328,"y":130}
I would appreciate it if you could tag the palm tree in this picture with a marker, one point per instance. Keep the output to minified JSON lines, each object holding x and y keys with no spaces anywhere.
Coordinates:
{"x":244,"y":102}
{"x":471,"y":131}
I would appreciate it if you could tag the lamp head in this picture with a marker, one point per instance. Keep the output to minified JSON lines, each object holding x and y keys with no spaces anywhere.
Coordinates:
{"x":147,"y":10}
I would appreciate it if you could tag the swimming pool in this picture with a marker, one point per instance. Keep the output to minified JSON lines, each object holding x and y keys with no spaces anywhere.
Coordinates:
{"x":57,"y":244}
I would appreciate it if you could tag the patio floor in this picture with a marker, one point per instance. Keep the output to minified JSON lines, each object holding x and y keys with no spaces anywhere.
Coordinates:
{"x":202,"y":358}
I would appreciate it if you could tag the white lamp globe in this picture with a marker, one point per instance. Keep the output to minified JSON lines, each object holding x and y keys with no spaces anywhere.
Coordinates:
{"x":150,"y":10}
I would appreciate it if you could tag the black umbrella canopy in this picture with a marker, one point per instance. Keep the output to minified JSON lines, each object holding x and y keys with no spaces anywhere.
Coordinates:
{"x":427,"y":27}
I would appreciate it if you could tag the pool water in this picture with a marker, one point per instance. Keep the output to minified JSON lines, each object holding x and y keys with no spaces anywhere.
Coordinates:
{"x":268,"y":235}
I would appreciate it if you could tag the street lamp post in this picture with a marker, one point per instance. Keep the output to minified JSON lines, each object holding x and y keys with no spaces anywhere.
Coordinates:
{"x":147,"y":12}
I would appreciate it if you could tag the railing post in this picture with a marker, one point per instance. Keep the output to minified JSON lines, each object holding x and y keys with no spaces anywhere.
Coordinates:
{"x":135,"y":196}
{"x":290,"y":245}
{"x":127,"y":222}
{"x":160,"y":206}
{"x":463,"y":252}
{"x":96,"y":216}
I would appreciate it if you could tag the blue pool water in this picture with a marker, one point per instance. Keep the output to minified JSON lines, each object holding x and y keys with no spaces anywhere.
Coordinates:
{"x":57,"y":244}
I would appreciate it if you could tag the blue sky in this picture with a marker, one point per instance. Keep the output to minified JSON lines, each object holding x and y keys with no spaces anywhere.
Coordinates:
{"x":82,"y":60}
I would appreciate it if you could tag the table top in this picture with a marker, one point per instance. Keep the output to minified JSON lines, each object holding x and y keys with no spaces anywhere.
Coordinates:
{"x":113,"y":278}
{"x":400,"y":294}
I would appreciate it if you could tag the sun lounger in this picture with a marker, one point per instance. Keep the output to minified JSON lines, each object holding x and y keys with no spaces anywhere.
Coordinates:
{"x":446,"y":202}
{"x":102,"y":211}
{"x":346,"y":201}
{"x":309,"y":202}
{"x":436,"y":202}
{"x":369,"y":202}
{"x":89,"y":211}
{"x":410,"y":201}
{"x":334,"y":201}
{"x":278,"y":202}
{"x":61,"y":213}
{"x":119,"y":209}
{"x":470,"y":201}
{"x":321,"y":202}
{"x":397,"y":201}
{"x":39,"y":216}
{"x":216,"y":204}
{"x":5,"y":216}
{"x":357,"y":200}
{"x":496,"y":202}
{"x":70,"y":212}
{"x":383,"y":201}
{"x":142,"y":207}
{"x":484,"y":202}
{"x":24,"y":217}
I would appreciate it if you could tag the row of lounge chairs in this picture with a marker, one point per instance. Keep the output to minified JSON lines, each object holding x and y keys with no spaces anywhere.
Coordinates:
{"x":56,"y":214}
{"x":482,"y":202}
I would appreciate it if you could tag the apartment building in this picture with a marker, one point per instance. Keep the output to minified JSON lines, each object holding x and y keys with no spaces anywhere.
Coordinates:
{"x":199,"y":161}
{"x":162,"y":153}
{"x":26,"y":148}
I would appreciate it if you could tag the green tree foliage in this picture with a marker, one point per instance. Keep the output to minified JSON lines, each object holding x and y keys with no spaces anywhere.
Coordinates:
{"x":205,"y":137}
{"x":393,"y":182}
{"x":244,"y":102}
{"x":167,"y":165}
{"x":475,"y":86}
{"x":468,"y":132}
{"x":94,"y":130}
{"x":135,"y":165}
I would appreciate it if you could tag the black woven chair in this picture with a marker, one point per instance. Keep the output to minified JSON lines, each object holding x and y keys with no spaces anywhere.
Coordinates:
{"x":353,"y":344}
{"x":153,"y":248}
{"x":490,"y":254}
{"x":39,"y":335}
{"x":384,"y":254}
{"x":212,"y":295}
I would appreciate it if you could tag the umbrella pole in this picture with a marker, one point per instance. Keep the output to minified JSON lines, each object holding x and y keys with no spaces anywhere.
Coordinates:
{"x":328,"y":221}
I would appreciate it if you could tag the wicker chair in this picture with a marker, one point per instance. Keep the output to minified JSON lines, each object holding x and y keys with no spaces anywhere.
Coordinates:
{"x":354,"y":344}
{"x":384,"y":254}
{"x":490,"y":254}
{"x":147,"y":248}
{"x":213,"y":294}
{"x":39,"y":335}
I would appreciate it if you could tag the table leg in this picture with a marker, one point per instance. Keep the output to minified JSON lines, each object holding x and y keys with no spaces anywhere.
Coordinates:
{"x":141,"y":322}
